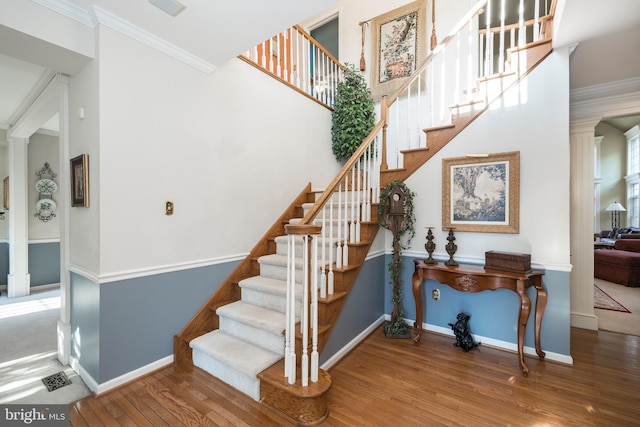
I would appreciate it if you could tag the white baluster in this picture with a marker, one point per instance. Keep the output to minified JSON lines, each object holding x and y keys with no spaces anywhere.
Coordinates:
{"x":345,"y":228}
{"x":314,"y":313}
{"x":502,"y":48}
{"x":339,"y":235}
{"x":291,"y":301}
{"x":357,"y":207}
{"x":331,"y":243}
{"x":470,"y":62}
{"x":323,"y":275}
{"x":366,"y":207}
{"x":304,"y":321}
{"x":287,"y":331}
{"x":536,"y":22}
{"x":489,"y":45}
{"x":521,"y":30}
{"x":352,"y":222}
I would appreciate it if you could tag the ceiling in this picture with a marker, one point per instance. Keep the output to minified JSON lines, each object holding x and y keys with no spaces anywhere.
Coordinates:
{"x":607,"y":35}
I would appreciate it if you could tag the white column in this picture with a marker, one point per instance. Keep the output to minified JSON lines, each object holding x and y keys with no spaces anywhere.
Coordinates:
{"x":582,"y":142}
{"x":64,"y":323}
{"x":18,"y":281}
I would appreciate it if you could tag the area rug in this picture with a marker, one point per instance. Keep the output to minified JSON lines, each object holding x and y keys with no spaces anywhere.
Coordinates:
{"x":603,"y":301}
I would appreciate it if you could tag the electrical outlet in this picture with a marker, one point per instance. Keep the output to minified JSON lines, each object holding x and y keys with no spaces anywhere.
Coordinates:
{"x":435,"y":294}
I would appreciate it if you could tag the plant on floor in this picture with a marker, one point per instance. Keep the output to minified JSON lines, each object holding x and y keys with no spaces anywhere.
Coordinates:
{"x":396,"y":215}
{"x":353,"y":115}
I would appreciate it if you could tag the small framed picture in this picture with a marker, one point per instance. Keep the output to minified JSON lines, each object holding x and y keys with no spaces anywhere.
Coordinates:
{"x":80,"y":181}
{"x":6,"y":193}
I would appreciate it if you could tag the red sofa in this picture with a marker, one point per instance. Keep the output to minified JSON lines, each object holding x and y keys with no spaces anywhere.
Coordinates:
{"x":620,"y":264}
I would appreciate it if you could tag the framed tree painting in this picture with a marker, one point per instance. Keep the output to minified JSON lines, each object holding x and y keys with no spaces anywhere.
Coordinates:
{"x":482,"y":193}
{"x":80,"y":181}
{"x":398,"y":45}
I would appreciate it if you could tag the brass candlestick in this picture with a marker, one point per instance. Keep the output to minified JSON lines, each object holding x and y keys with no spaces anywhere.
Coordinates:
{"x":430,"y":246}
{"x":451,"y":249}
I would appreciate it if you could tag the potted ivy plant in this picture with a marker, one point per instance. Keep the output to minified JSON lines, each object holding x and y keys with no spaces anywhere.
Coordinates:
{"x":396,"y":215}
{"x":353,"y":115}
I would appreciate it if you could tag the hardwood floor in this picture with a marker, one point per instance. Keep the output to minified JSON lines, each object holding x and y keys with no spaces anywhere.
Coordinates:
{"x":394,"y":383}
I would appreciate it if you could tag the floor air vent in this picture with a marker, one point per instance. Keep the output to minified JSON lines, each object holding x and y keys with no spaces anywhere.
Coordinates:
{"x":56,"y":381}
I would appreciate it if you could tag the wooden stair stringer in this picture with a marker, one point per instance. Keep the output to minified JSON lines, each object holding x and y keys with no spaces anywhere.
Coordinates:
{"x":437,"y":138}
{"x":527,"y":57}
{"x":206,"y":320}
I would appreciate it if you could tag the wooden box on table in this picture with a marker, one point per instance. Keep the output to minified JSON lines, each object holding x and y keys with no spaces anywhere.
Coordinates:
{"x":509,"y":261}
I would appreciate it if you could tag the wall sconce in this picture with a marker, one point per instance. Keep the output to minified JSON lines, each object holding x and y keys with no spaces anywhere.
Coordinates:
{"x":615,"y":208}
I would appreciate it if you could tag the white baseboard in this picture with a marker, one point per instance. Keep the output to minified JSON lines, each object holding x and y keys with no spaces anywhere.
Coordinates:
{"x":352,"y":344}
{"x":122,"y":379}
{"x":501,"y":345}
{"x":584,"y":321}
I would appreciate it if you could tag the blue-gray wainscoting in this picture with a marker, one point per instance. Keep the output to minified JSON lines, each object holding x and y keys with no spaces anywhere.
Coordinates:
{"x":121,"y":326}
{"x":4,"y":262}
{"x":364,"y":305}
{"x":44,"y":263}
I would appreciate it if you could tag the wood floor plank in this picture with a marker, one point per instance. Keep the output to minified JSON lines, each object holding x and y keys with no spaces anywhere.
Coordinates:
{"x":393,"y":382}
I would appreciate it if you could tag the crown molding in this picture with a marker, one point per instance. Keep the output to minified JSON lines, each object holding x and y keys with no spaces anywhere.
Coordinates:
{"x":115,"y":23}
{"x":605,"y":90}
{"x":98,"y":15}
{"x":68,"y":9}
{"x":607,"y":100}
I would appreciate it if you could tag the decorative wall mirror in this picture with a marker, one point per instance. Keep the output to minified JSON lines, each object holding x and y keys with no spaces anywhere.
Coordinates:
{"x":45,"y":186}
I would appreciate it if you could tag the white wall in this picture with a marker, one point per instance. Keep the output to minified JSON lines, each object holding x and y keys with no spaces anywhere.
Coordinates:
{"x":84,"y":138}
{"x":539,"y":130}
{"x":227,"y":148}
{"x":44,"y":148}
{"x":4,"y":172}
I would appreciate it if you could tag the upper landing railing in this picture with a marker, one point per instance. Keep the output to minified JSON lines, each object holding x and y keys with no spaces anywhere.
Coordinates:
{"x":299,"y":61}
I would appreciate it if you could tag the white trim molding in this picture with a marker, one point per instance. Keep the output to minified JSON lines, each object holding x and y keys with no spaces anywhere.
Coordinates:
{"x":112,"y":21}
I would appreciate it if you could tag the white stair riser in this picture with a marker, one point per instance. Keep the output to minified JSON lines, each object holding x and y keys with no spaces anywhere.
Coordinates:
{"x":260,"y":337}
{"x":246,"y":384}
{"x":278,"y":272}
{"x":267,"y":300}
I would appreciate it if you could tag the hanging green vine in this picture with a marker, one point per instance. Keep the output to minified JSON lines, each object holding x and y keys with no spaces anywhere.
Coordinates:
{"x":403,"y":232}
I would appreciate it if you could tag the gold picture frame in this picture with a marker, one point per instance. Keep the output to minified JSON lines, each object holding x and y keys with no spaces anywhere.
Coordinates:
{"x":5,"y":193}
{"x":80,"y":181}
{"x":398,"y":46}
{"x":482,"y":193}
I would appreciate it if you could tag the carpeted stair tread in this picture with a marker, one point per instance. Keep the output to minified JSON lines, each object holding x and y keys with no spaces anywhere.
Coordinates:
{"x":278,"y":260}
{"x":253,"y":315}
{"x":234,"y":352}
{"x":268,"y":285}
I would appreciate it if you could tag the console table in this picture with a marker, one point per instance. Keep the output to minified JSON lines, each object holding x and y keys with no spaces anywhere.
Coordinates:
{"x":476,"y":278}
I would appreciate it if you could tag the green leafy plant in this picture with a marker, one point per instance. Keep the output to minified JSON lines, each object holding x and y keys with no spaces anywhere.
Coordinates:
{"x":403,"y":231}
{"x":353,"y":115}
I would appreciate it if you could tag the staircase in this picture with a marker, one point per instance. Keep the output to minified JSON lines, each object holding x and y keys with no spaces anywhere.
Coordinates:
{"x":239,"y":333}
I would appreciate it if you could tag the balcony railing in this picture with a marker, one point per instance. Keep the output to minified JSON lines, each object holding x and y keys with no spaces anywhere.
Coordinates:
{"x":299,"y":61}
